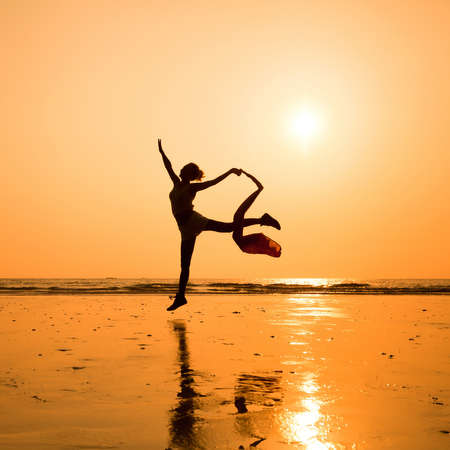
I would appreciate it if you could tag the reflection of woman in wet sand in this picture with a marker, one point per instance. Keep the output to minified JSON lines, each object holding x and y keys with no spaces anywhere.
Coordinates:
{"x":191,"y":223}
{"x":184,"y":420}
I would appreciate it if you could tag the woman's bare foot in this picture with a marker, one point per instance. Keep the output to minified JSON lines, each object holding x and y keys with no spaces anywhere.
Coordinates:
{"x":180,"y":300}
{"x":269,"y":221}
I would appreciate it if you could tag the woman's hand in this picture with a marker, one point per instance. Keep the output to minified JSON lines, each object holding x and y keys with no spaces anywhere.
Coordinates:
{"x":254,"y":179}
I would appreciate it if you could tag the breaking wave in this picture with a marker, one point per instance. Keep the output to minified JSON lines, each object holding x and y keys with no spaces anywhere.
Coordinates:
{"x":272,"y":286}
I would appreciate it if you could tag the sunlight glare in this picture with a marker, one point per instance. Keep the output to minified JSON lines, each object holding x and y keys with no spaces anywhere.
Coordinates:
{"x":305,"y":125}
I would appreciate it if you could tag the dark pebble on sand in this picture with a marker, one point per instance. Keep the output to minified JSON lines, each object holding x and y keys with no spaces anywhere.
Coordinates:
{"x":383,"y":353}
{"x":148,"y":335}
{"x":239,"y":402}
{"x":33,"y":329}
{"x":391,"y":356}
{"x":63,"y":349}
{"x":78,"y":367}
{"x":254,"y":444}
{"x":424,"y":310}
{"x":444,"y":431}
{"x":257,"y":354}
{"x":236,"y":312}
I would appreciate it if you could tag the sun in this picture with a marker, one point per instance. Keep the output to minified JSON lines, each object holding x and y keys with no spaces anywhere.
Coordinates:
{"x":305,"y":124}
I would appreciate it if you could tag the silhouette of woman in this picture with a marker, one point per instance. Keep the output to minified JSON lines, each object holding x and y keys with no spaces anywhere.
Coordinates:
{"x":191,"y":223}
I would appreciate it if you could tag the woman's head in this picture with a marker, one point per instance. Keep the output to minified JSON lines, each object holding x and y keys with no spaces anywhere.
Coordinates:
{"x":191,"y":172}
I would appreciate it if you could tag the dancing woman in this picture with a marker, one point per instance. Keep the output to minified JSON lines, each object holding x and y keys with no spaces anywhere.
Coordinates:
{"x":191,"y":223}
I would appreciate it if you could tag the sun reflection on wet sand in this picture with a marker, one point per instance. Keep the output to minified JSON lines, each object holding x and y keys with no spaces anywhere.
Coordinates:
{"x":308,"y":426}
{"x":313,"y":307}
{"x":303,"y":422}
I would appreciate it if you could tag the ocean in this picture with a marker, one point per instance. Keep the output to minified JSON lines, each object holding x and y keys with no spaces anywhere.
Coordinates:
{"x":117,"y":286}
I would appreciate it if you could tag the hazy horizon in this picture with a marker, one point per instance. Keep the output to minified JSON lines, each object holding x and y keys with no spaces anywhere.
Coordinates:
{"x":361,"y":187}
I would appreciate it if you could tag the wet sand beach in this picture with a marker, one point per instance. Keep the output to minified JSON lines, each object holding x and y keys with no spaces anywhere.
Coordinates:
{"x":226,"y":371}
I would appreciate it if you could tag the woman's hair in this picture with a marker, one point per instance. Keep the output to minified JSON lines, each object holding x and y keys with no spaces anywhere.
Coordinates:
{"x":191,"y":172}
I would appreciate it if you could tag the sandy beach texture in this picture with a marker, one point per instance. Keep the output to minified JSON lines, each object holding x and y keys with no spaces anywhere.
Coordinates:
{"x":226,"y":371}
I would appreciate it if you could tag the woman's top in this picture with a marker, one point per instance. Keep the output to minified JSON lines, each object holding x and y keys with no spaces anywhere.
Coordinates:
{"x":190,"y":222}
{"x":181,"y":197}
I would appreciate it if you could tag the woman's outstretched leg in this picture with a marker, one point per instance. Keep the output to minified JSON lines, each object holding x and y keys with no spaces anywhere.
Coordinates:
{"x":240,"y":222}
{"x":187,"y":249}
{"x":228,"y":227}
{"x":238,"y":219}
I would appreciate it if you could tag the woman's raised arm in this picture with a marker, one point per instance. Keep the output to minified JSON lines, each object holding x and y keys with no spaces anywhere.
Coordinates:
{"x":206,"y":184}
{"x":168,"y":164}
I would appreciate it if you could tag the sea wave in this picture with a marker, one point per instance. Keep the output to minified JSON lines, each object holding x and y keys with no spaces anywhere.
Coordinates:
{"x":169,"y":287}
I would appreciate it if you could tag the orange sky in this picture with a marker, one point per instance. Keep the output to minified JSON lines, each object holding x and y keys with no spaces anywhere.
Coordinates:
{"x":89,"y":86}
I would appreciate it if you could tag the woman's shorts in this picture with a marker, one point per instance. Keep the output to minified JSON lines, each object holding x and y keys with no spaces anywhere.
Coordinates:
{"x":193,"y":226}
